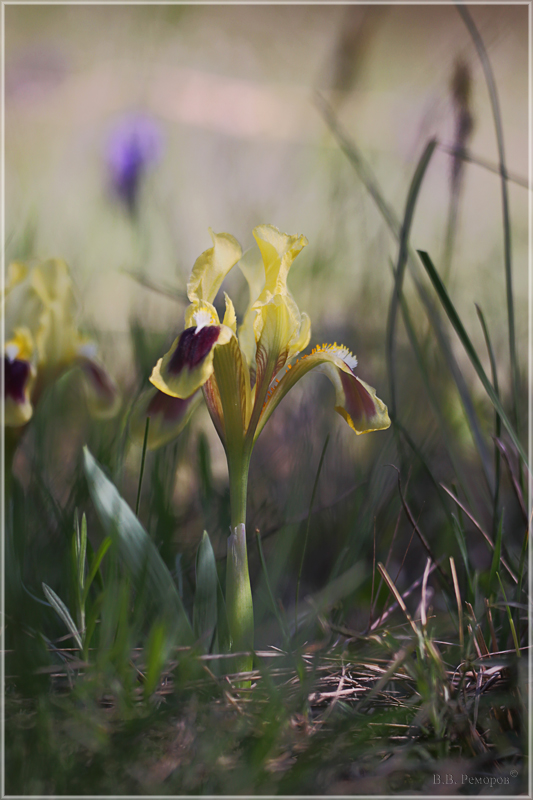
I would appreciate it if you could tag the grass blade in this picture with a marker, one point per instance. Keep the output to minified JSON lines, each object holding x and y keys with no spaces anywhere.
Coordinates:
{"x":461,"y":541}
{"x":469,"y":347}
{"x":95,"y":566}
{"x":313,"y":493}
{"x":497,"y":555}
{"x":495,"y":104}
{"x":412,"y":197}
{"x":470,"y":158}
{"x":155,"y":657}
{"x":509,"y":617}
{"x":480,"y":529}
{"x":371,"y":184}
{"x":82,"y":552}
{"x":141,"y":472}
{"x":459,"y":604}
{"x":273,"y":603}
{"x":444,"y":428}
{"x":497,"y":421}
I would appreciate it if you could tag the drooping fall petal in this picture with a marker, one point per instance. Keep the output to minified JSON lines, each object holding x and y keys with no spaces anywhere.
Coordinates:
{"x":19,"y":376}
{"x":189,"y":362}
{"x":356,"y":401}
{"x":103,"y":397}
{"x":168,"y":416}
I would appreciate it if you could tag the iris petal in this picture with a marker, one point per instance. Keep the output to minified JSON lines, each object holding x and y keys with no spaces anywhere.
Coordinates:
{"x":230,"y":317}
{"x":189,"y":362}
{"x":16,"y":273}
{"x":168,"y":416}
{"x":278,"y":251}
{"x":103,"y":398}
{"x":356,"y":401}
{"x":251,"y":265}
{"x":19,"y":376}
{"x":212,"y":266}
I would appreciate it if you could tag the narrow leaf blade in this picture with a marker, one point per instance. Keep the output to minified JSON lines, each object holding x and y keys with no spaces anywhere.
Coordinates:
{"x":63,"y":612}
{"x":470,"y":350}
{"x":205,"y":598}
{"x":137,"y":550}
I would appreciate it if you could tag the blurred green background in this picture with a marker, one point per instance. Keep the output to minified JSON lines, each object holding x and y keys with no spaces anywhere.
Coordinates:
{"x":233,"y":91}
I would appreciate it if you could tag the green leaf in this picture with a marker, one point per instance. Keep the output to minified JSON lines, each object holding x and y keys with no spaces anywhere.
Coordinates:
{"x":82,"y":551}
{"x":155,"y":657}
{"x":205,"y":598}
{"x":453,"y":316}
{"x":138,"y":552}
{"x":63,"y":612}
{"x":95,"y":565}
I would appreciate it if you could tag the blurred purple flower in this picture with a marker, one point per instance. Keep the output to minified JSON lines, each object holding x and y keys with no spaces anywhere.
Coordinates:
{"x":134,"y":145}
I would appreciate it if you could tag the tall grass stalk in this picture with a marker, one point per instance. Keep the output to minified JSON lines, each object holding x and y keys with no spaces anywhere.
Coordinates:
{"x":304,"y":548}
{"x":496,"y":113}
{"x":141,"y":473}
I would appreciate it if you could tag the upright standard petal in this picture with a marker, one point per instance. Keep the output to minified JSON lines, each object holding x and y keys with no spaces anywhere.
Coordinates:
{"x":281,"y":331}
{"x":168,"y":416}
{"x":278,"y":251}
{"x":57,"y":335}
{"x":275,"y":325}
{"x":189,"y":362}
{"x":212,"y":266}
{"x":356,"y":401}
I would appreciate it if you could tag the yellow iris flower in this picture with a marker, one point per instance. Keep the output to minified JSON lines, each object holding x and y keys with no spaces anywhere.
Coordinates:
{"x":244,"y":373}
{"x":39,"y":311}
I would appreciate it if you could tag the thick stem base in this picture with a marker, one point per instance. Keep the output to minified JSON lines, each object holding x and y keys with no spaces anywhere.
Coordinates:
{"x":239,"y":607}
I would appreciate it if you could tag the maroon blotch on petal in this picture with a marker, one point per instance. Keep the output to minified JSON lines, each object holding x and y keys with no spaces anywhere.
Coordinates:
{"x":17,"y":374}
{"x":192,"y":348}
{"x":170,"y":408}
{"x":99,"y":378}
{"x":359,"y":402}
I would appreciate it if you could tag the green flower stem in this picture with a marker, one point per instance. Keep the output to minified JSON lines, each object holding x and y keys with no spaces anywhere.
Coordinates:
{"x":238,"y":465}
{"x":239,"y":607}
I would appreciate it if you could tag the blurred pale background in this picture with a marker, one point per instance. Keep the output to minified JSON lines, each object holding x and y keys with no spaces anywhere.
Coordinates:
{"x":232,"y":89}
